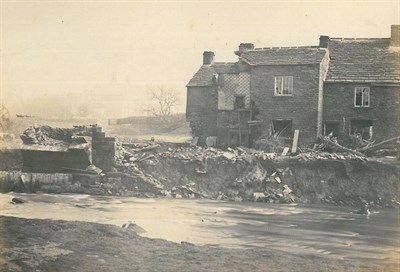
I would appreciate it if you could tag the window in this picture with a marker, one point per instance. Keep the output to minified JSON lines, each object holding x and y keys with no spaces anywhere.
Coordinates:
{"x":283,"y":86}
{"x":283,"y":128}
{"x":239,"y":103}
{"x":331,"y":128}
{"x":361,"y":97}
{"x":362,"y":128}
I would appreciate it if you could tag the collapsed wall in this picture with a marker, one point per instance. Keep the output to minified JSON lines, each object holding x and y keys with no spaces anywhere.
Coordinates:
{"x":48,"y":149}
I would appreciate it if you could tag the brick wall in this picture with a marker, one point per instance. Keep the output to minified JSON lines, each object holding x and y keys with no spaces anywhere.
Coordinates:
{"x":302,"y":107}
{"x":384,"y":108}
{"x":43,"y":161}
{"x":201,"y":110}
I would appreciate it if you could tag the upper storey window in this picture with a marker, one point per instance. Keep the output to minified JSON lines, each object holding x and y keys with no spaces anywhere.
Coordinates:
{"x":361,"y":97}
{"x":283,"y":86}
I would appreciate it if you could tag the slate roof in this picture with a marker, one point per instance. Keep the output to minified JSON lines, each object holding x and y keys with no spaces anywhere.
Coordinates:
{"x":284,"y":55}
{"x":363,"y":60}
{"x":205,"y":74}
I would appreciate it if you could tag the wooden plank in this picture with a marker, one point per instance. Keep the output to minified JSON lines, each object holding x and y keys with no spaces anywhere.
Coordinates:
{"x":295,"y":141}
{"x":285,"y":151}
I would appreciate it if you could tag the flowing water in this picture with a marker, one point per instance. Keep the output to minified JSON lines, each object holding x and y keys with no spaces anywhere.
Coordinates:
{"x":307,"y":229}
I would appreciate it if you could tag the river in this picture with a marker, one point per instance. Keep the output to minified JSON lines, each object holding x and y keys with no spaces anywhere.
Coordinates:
{"x":307,"y":229}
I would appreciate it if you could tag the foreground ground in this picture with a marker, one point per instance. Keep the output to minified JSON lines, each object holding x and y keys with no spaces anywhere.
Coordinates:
{"x":46,"y":245}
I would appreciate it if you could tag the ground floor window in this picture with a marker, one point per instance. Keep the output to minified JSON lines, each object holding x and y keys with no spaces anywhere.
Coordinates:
{"x":282,"y":127}
{"x":361,"y":127}
{"x":331,"y":128}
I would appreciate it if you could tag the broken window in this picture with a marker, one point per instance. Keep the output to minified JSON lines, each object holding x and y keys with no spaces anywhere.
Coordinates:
{"x":283,"y":85}
{"x":361,"y":127}
{"x":331,"y":128}
{"x":282,"y":128}
{"x":361,"y":97}
{"x":239,"y":103}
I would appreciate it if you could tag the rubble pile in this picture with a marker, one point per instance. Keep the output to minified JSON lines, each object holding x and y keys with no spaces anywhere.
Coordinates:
{"x":315,"y":155}
{"x":259,"y":186}
{"x":244,"y":174}
{"x":158,"y":169}
{"x":46,"y":135}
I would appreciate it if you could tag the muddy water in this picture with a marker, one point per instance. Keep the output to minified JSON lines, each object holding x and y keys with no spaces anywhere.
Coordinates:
{"x":306,"y":229}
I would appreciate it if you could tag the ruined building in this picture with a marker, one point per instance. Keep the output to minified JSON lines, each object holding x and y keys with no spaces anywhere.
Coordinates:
{"x":341,"y":87}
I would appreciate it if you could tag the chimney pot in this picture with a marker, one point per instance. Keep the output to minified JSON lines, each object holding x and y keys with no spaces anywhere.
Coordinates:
{"x":395,"y":35}
{"x":323,"y":41}
{"x":208,"y":57}
{"x":244,"y":47}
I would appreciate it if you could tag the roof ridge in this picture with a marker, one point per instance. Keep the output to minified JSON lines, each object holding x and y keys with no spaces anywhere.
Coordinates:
{"x":223,"y":62}
{"x":287,"y":47}
{"x":356,"y":39}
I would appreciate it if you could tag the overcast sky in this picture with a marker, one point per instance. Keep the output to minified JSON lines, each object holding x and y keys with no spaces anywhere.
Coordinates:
{"x":115,"y":47}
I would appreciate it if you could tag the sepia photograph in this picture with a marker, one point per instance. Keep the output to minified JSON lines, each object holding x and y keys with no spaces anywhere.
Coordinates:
{"x":172,"y":135}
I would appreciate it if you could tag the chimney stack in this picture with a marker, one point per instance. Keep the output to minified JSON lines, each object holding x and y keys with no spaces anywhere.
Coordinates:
{"x":395,"y":36}
{"x":208,"y":57}
{"x":323,"y":41}
{"x":244,"y":47}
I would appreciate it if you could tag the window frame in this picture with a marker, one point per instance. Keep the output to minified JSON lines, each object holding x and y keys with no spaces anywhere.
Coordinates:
{"x":362,"y":97}
{"x":291,"y":89}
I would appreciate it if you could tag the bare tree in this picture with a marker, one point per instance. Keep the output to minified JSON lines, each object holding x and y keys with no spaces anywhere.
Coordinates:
{"x":163,"y":101}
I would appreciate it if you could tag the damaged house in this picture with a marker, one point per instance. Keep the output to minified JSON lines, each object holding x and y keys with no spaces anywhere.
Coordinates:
{"x":340,"y":87}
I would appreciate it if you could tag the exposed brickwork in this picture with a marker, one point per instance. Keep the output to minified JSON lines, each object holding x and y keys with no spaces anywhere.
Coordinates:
{"x":103,"y":149}
{"x":384,"y":108}
{"x":231,"y":85}
{"x":301,"y":108}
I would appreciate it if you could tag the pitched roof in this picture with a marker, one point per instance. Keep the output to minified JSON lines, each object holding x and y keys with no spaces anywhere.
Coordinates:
{"x":204,"y":76}
{"x":363,"y":60}
{"x":284,"y":55}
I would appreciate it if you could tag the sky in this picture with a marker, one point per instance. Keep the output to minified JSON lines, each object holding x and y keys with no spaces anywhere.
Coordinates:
{"x":110,"y":53}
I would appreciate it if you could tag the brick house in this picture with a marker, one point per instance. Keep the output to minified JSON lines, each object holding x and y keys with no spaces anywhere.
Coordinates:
{"x":362,"y":87}
{"x":341,"y":86}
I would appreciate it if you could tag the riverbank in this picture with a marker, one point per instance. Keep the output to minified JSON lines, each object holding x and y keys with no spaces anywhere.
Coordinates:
{"x":47,"y":245}
{"x":155,"y":169}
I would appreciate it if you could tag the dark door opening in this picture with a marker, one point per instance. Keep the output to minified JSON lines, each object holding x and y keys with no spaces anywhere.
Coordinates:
{"x":255,"y":133}
{"x":239,"y":103}
{"x":282,"y":128}
{"x":331,"y":128}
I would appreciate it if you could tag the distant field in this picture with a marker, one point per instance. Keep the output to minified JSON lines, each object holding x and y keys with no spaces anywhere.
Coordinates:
{"x":143,"y":128}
